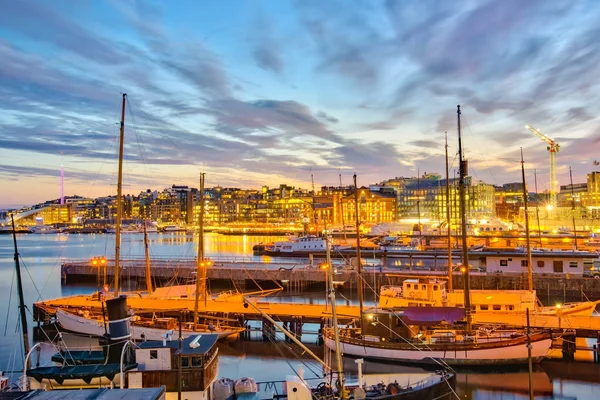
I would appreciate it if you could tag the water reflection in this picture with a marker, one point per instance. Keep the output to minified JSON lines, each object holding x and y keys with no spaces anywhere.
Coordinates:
{"x":41,"y":256}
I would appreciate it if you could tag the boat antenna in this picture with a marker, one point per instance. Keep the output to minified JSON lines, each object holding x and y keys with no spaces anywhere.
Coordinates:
{"x":200,"y":264}
{"x":573,"y":207}
{"x":537,"y":207}
{"x":529,"y":259}
{"x":20,"y":291}
{"x":334,"y":321}
{"x":463,"y":211}
{"x":119,"y":199}
{"x":358,"y":255}
{"x":448,"y":218}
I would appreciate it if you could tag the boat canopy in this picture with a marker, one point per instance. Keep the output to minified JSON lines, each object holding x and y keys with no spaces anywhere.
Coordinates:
{"x":432,"y":315}
{"x":83,"y":372}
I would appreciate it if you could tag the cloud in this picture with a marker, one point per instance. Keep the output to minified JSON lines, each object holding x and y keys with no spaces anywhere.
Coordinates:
{"x":42,"y":22}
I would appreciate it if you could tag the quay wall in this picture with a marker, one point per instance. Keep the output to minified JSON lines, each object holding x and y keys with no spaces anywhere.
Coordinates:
{"x":300,"y":277}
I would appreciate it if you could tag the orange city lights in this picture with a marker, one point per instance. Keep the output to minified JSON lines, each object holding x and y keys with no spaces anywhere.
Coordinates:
{"x":97,"y":261}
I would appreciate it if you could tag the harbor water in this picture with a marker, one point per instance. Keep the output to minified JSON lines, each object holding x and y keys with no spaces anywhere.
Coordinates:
{"x":41,"y":257}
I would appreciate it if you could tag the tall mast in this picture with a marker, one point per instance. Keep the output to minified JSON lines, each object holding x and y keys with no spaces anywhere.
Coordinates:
{"x":419,"y":206}
{"x":358,"y":255}
{"x":448,"y":219}
{"x":119,"y":200}
{"x":525,"y":202}
{"x":200,"y":264}
{"x":314,"y":209}
{"x":20,"y":291}
{"x":334,"y":321}
{"x":147,"y":254}
{"x":463,"y":212}
{"x":573,"y":207}
{"x":342,"y":209}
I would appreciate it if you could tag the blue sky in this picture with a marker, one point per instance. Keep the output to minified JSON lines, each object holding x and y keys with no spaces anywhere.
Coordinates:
{"x":269,"y":92}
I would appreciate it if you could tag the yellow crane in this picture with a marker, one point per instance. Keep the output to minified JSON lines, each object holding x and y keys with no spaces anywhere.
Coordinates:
{"x":552,"y":148}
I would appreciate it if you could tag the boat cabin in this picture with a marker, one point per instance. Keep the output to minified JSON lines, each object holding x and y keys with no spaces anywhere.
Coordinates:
{"x":414,"y":293}
{"x":158,"y":363}
{"x":545,"y":262}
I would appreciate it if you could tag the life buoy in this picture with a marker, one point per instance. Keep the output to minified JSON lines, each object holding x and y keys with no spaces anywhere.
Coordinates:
{"x":393,"y":388}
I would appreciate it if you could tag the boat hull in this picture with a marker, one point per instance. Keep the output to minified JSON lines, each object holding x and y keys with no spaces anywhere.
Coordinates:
{"x":504,"y":355}
{"x":92,"y":327}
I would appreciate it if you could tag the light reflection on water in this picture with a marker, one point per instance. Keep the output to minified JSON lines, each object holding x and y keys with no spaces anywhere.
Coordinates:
{"x":41,"y":256}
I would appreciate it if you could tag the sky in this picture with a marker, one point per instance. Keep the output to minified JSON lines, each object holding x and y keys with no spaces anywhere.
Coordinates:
{"x":259,"y":93}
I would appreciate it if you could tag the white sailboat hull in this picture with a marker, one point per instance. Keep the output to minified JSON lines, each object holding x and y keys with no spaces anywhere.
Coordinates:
{"x":92,"y":327}
{"x":485,"y":356}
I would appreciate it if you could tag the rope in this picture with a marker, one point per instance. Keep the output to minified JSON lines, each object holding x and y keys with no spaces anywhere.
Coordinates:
{"x":12,"y":281}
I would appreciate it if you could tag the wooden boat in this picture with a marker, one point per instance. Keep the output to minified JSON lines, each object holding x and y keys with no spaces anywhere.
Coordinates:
{"x":397,"y":336}
{"x":141,"y":328}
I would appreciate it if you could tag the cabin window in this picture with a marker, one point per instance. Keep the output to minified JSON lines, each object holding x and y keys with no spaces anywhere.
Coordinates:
{"x":408,"y":285}
{"x":185,"y":362}
{"x":510,"y":307}
{"x":558,"y":266}
{"x":435,"y":288}
{"x":154,"y":354}
{"x":483,"y":307}
{"x":423,"y":287}
{"x":573,"y":264}
{"x":196,"y":361}
{"x":503,"y":263}
{"x":496,"y":307}
{"x":524,"y":263}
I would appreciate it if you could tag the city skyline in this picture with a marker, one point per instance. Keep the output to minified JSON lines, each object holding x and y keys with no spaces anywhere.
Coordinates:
{"x":264,"y":92}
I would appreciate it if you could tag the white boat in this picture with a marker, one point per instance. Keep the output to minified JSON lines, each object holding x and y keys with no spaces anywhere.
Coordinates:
{"x":433,"y":293}
{"x":443,"y":345}
{"x":88,"y":325}
{"x":305,"y":244}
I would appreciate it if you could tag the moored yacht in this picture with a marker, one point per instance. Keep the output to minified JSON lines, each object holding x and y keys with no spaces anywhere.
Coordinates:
{"x":434,"y":293}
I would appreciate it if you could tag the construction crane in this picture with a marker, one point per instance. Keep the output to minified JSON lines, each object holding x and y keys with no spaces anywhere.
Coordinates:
{"x":552,"y":148}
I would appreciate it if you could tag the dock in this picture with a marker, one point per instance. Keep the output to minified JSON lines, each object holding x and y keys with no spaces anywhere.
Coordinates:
{"x":300,"y":275}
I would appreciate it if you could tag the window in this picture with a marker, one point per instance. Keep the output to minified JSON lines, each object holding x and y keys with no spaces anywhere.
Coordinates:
{"x":510,"y":307}
{"x":503,"y":263}
{"x":153,"y":354}
{"x":540,"y":264}
{"x":196,"y":361}
{"x":524,"y":263}
{"x":483,"y":307}
{"x":408,"y":285}
{"x":558,"y":266}
{"x":423,"y":287}
{"x":435,"y":288}
{"x":496,"y":307}
{"x":573,"y":264}
{"x":185,"y":362}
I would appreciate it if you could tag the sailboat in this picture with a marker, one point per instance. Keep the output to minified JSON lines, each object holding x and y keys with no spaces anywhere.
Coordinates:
{"x":92,"y":322}
{"x":440,"y":335}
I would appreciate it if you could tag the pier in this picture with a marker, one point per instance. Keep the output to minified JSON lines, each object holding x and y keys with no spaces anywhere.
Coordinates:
{"x":301,"y":275}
